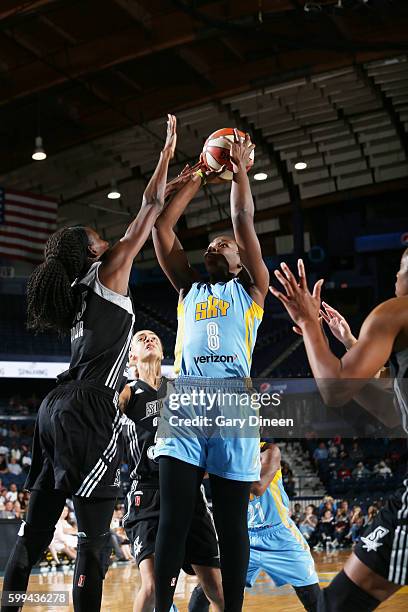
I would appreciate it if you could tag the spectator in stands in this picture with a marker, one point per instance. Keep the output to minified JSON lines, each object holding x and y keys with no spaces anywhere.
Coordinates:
{"x":308,"y":522}
{"x":356,"y":453}
{"x":356,"y":524}
{"x":64,"y":540}
{"x":382,"y":469}
{"x":287,"y":478}
{"x":325,"y":530}
{"x":15,"y":452}
{"x":296,"y":513}
{"x":333,"y":450}
{"x":371,"y":514}
{"x":3,"y":464}
{"x":12,"y":493}
{"x":3,"y":494}
{"x":320,"y":453}
{"x":17,"y":510}
{"x":328,"y":503}
{"x":21,"y":498}
{"x":361,"y":471}
{"x":343,"y":454}
{"x":341,"y":526}
{"x":14,"y":467}
{"x":26,"y":457}
{"x":344,"y":472}
{"x":8,"y":511}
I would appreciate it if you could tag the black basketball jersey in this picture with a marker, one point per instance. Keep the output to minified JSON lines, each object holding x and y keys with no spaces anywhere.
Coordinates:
{"x":101,"y":333}
{"x":140,"y":422}
{"x":399,"y":371}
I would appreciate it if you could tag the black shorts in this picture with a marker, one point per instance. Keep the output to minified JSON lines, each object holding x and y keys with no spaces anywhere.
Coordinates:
{"x":141,"y":521}
{"x":77,"y":444}
{"x":383,"y":547}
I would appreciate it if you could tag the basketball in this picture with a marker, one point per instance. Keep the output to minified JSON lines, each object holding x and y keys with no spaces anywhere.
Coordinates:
{"x":216,"y":152}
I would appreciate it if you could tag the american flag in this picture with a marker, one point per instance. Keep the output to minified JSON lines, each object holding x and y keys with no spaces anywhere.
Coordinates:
{"x":26,"y":222}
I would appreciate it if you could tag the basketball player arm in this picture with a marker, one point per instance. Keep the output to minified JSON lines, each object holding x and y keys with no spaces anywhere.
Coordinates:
{"x":115,"y":268}
{"x":270,"y":464}
{"x":339,"y":380}
{"x":124,"y":398}
{"x":169,"y":251}
{"x":242,"y":215}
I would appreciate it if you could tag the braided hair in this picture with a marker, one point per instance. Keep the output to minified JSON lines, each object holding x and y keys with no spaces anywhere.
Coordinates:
{"x":51,"y":299}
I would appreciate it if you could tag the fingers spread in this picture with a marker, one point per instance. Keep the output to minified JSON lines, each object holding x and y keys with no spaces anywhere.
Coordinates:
{"x":283,"y":281}
{"x":317,"y":289}
{"x":279,"y":295}
{"x":302,"y":274}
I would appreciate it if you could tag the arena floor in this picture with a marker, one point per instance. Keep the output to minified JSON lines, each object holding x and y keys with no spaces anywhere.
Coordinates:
{"x":121,"y":583}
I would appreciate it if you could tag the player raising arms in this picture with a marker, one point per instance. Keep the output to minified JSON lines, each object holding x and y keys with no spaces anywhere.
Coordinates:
{"x":82,"y":286}
{"x":378,"y":565}
{"x":218,"y":322}
{"x":140,"y":402}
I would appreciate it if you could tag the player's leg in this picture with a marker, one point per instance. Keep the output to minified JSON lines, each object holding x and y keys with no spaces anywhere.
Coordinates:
{"x":94,"y":548}
{"x":34,"y":537}
{"x":198,"y":600}
{"x":210,"y":580}
{"x":144,"y":600}
{"x":355,"y":588}
{"x":179,"y":486}
{"x":309,"y":596}
{"x":230,"y":507}
{"x":286,"y":558}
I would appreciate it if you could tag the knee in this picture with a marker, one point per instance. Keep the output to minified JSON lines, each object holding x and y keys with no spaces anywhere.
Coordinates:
{"x":95,"y":550}
{"x":31,"y":543}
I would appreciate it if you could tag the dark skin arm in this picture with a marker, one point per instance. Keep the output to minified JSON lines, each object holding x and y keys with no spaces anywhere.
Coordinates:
{"x":242,"y":214}
{"x":270,"y":464}
{"x":170,"y":254}
{"x":385,"y":328}
{"x":115,"y":268}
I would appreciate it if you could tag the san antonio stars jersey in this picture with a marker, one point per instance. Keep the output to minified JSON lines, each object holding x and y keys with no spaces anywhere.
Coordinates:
{"x":101,"y":333}
{"x":217,"y":328}
{"x":140,"y":422}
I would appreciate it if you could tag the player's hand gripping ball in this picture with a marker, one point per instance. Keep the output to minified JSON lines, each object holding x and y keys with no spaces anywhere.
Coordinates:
{"x":216,"y":153}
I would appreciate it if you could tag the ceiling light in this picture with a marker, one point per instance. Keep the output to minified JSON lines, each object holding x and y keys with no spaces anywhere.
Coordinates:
{"x":301,"y":165}
{"x":260,"y":176}
{"x":39,"y":154}
{"x":114,"y":193}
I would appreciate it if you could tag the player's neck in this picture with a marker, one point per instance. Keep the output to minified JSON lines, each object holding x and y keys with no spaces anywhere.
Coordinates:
{"x":150,"y":373}
{"x":221,"y":277}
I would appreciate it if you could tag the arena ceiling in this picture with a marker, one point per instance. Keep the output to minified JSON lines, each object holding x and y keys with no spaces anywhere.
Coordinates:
{"x":95,"y":78}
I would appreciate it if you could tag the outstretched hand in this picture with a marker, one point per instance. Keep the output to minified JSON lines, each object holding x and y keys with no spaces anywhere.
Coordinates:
{"x":301,"y":305}
{"x":240,"y":151}
{"x":171,"y":136}
{"x":177,"y":183}
{"x":338,"y":325}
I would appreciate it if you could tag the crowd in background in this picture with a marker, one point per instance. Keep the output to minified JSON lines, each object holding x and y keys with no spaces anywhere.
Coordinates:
{"x":332,"y":524}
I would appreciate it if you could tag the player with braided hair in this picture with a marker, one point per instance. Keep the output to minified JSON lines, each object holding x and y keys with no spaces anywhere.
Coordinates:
{"x":66,"y":255}
{"x":82,"y":286}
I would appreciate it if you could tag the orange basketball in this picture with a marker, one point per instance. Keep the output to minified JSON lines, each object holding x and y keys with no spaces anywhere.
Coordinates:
{"x":216,"y":152}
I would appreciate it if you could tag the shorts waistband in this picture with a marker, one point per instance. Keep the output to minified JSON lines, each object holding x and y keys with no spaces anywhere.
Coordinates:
{"x":91,"y":385}
{"x":265,"y":529}
{"x":219,"y":383}
{"x":152,"y":486}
